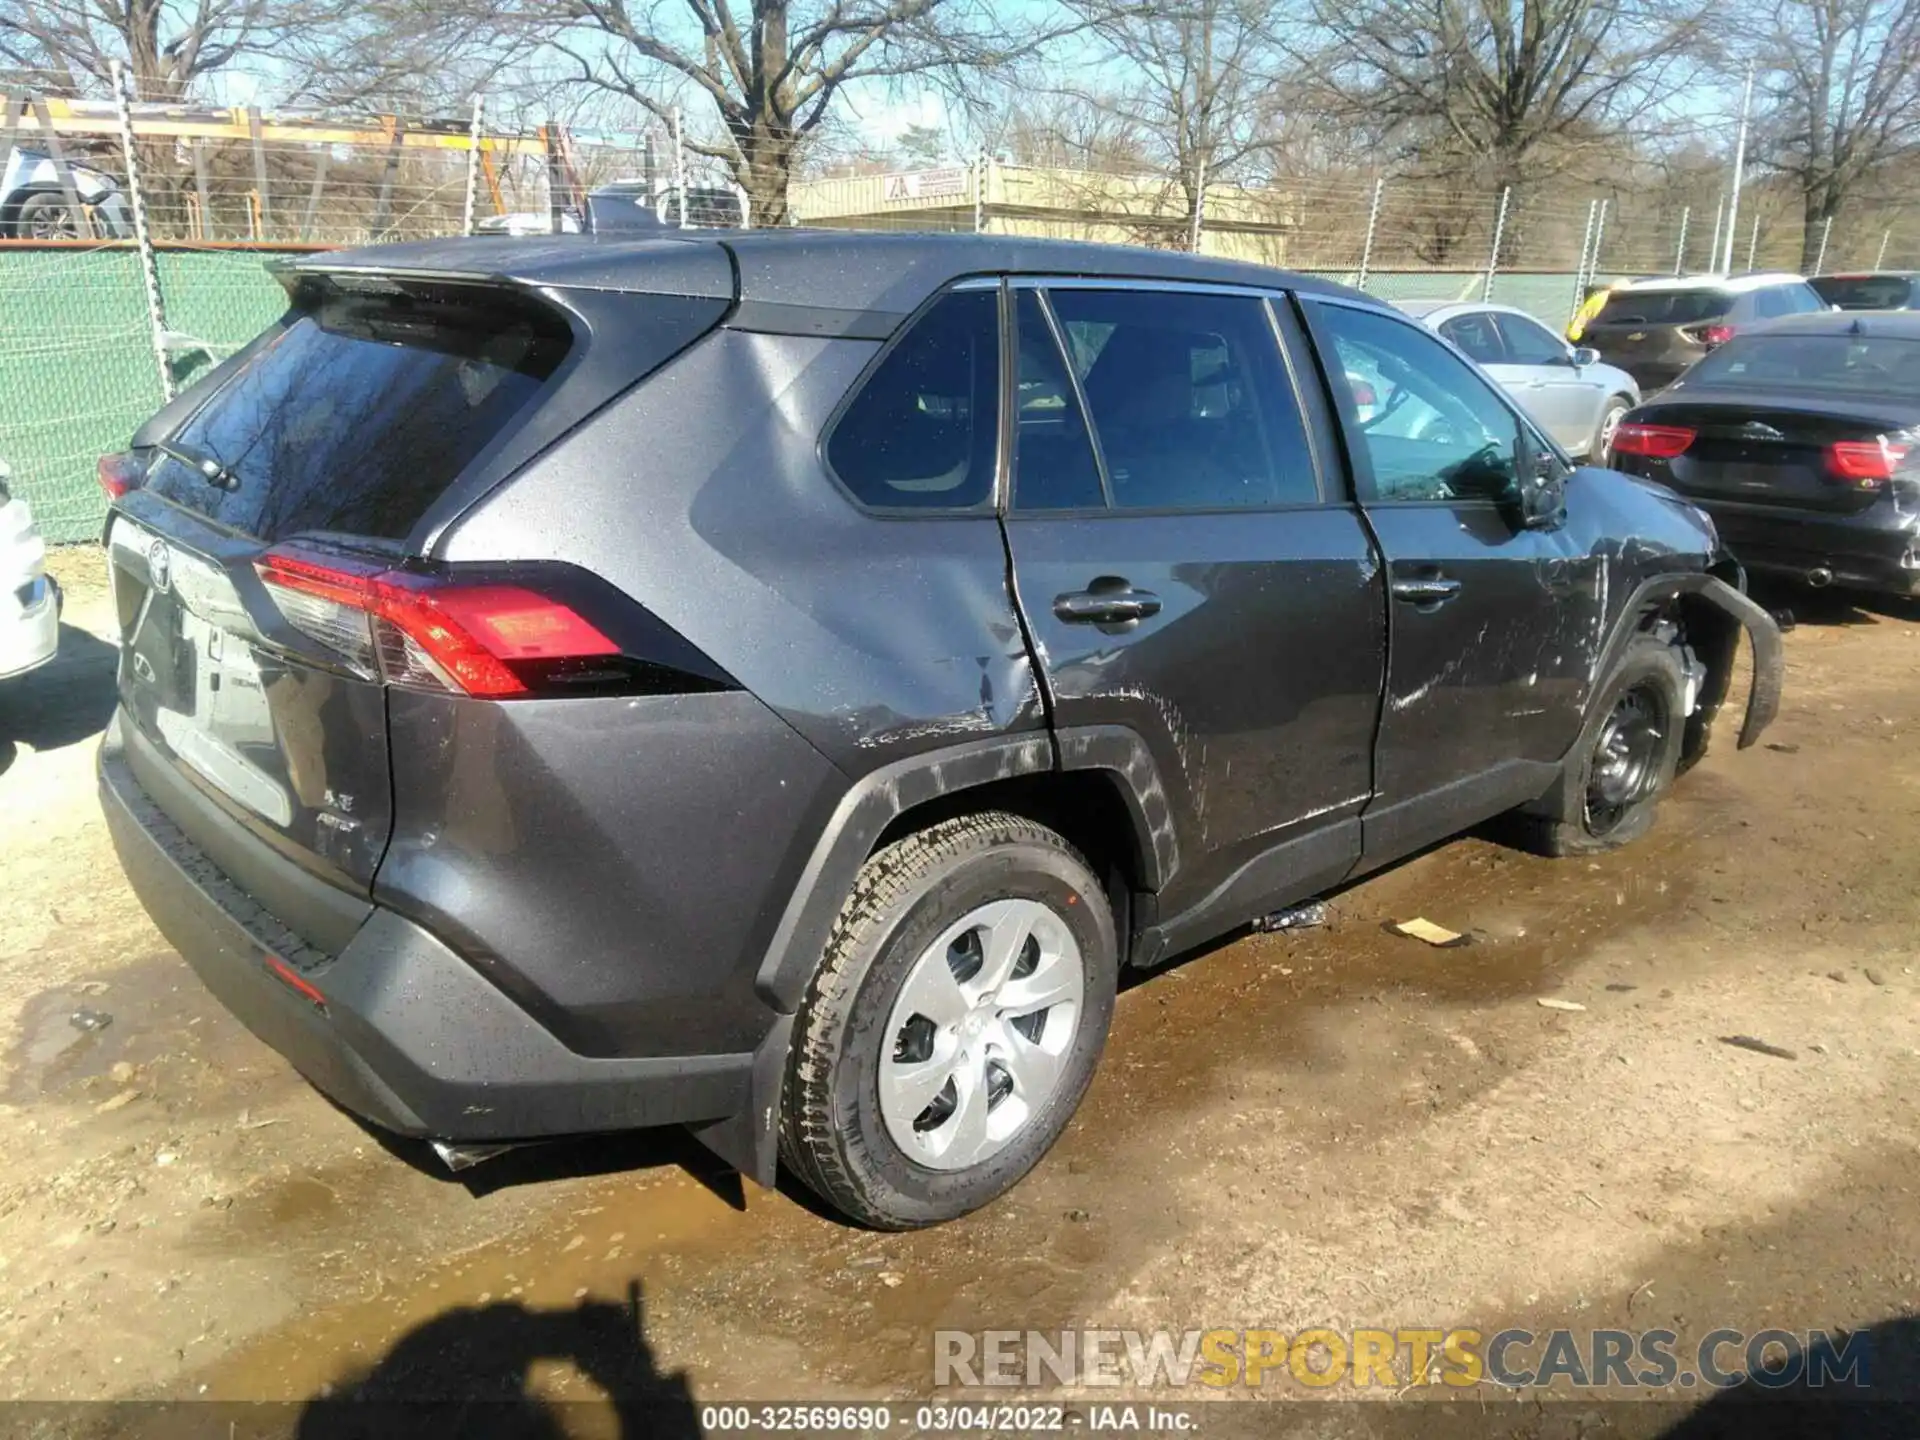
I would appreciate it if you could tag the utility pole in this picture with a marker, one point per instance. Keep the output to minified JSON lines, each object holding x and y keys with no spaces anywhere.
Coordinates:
{"x":1680,"y":252}
{"x":1739,"y":168}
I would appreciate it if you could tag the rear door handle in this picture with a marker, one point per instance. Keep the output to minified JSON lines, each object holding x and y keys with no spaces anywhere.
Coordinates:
{"x":1431,"y":590}
{"x":1105,"y":607}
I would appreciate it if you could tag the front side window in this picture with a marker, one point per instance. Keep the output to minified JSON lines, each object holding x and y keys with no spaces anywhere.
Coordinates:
{"x":1477,"y":338}
{"x":1771,"y":304}
{"x":1429,"y":426}
{"x":922,"y":432}
{"x":1530,"y":343}
{"x":1189,"y":398}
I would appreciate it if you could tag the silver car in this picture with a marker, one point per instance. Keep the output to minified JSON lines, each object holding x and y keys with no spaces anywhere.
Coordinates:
{"x":1573,"y":396}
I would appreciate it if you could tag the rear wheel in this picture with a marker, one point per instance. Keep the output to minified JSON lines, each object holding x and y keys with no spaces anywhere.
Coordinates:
{"x":1623,"y":762}
{"x":45,"y":215}
{"x":954,"y":1024}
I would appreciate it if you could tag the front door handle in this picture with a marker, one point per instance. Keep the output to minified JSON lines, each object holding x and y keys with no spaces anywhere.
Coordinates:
{"x":1432,"y":590}
{"x":1106,"y":607}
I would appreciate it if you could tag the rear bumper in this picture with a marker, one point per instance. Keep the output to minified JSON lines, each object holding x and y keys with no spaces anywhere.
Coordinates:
{"x":1873,"y":550}
{"x":29,"y":631}
{"x":396,"y":1028}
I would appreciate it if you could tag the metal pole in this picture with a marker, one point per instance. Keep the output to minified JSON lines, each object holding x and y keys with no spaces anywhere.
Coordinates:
{"x":260,"y":169}
{"x":980,"y":193}
{"x":1580,"y":270}
{"x":679,"y":168}
{"x":1199,"y":202}
{"x":315,"y":190}
{"x":1820,"y":260}
{"x":1753,"y":245}
{"x":473,"y":170}
{"x":1739,"y":169}
{"x":1493,"y":255}
{"x":1373,"y":225}
{"x":1713,"y":248}
{"x":1680,"y":254}
{"x":204,"y":224}
{"x":143,"y":236}
{"x":1599,"y":234}
{"x":1880,"y":260}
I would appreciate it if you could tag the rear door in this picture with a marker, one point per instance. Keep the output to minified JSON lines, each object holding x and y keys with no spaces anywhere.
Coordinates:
{"x":1186,"y":574}
{"x":1490,"y":625}
{"x":239,"y":717}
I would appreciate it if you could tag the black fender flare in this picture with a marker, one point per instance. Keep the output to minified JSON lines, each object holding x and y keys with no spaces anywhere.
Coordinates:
{"x":1769,"y":654}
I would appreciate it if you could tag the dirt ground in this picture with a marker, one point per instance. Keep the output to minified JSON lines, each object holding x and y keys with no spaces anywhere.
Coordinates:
{"x":1335,"y":1127}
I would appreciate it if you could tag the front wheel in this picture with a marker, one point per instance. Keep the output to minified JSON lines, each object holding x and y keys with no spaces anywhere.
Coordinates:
{"x":1600,"y":450}
{"x":1623,"y":761}
{"x":954,"y":1024}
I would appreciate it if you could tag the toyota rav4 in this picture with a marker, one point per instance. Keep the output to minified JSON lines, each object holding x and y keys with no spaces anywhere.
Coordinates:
{"x":773,"y":683}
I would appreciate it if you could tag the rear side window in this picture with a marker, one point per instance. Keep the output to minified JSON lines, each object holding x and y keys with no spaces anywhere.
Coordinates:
{"x":1477,"y":338}
{"x":922,"y":430}
{"x":1771,"y":304}
{"x":1663,"y":307}
{"x":1865,"y":292}
{"x":360,"y":413}
{"x":1189,"y":398}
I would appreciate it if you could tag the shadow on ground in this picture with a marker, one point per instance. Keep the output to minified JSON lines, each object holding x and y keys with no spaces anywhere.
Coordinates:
{"x":65,"y":701}
{"x":471,"y":1372}
{"x":1802,"y":605}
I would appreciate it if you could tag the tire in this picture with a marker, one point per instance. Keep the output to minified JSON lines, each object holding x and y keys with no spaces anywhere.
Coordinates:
{"x":1577,"y":817}
{"x":44,"y":215}
{"x":1600,"y":448}
{"x":863,"y":1056}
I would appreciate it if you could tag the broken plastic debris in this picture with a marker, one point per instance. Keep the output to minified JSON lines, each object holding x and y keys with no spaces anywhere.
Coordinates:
{"x":1547,"y":1002}
{"x":1423,"y":929}
{"x":1296,"y":917}
{"x":1758,"y":1046}
{"x":90,"y":1019}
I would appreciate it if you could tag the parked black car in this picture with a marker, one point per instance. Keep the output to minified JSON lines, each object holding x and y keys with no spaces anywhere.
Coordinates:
{"x":1800,"y":440}
{"x":1877,"y":290}
{"x":774,"y":681}
{"x":1655,"y":329}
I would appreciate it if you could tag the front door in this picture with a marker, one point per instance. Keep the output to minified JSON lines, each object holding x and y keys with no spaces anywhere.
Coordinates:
{"x":1183,"y":575}
{"x":1490,"y":625}
{"x":1566,"y":401}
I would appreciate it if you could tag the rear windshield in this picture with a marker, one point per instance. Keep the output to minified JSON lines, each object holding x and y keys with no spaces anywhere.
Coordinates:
{"x":360,"y":412}
{"x":1664,"y":307}
{"x":1864,"y":292}
{"x":1876,"y":365}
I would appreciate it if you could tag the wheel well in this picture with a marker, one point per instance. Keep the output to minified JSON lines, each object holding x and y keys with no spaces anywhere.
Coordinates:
{"x":1084,"y":807}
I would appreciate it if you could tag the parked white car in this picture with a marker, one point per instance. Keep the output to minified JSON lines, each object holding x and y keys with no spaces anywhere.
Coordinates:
{"x":1571,"y":393}
{"x":29,"y":598}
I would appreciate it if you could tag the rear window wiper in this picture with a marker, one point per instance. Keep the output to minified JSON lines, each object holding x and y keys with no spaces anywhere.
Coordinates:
{"x":210,"y":469}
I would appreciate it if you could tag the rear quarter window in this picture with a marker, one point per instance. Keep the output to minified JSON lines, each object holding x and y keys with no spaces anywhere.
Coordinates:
{"x":362,"y":410}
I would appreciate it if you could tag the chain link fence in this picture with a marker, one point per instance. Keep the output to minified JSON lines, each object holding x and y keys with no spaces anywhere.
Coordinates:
{"x":108,"y":309}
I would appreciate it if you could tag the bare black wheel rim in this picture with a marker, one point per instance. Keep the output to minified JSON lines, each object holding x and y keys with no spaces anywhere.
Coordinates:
{"x":1626,"y":758}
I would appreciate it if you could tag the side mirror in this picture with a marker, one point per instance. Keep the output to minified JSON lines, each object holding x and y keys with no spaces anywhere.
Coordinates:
{"x":1584,"y":356}
{"x":1541,"y":485}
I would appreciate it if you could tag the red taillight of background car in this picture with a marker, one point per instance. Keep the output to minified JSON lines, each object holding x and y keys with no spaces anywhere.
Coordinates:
{"x":1655,"y":442}
{"x":118,"y":474}
{"x":1868,"y":464}
{"x":425,"y":631}
{"x":1708,"y":335}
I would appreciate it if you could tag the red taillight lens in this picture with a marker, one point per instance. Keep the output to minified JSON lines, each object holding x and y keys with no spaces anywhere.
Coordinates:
{"x":426,"y":631}
{"x":1656,"y":442}
{"x":1868,"y":464}
{"x":1363,"y":395}
{"x":1708,"y":334}
{"x":118,"y":474}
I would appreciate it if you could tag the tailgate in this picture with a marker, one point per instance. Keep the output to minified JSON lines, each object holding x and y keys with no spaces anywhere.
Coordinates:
{"x":1640,"y":344}
{"x":292,"y":748}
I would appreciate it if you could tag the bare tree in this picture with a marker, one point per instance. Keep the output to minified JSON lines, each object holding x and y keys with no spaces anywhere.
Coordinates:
{"x":166,"y":45}
{"x":772,"y":70}
{"x":1197,"y":74}
{"x":1844,"y":80}
{"x":1508,"y":88}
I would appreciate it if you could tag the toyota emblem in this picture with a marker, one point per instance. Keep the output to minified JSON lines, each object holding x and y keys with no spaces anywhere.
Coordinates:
{"x":160,"y":565}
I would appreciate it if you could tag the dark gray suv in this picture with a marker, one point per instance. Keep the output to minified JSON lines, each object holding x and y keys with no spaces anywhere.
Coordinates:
{"x":773,"y":683}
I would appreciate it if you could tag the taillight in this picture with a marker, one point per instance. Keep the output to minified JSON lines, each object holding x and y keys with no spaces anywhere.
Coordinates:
{"x":118,"y":474}
{"x":1708,"y":335}
{"x":1655,"y":442}
{"x":1868,"y":464}
{"x":489,"y":639}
